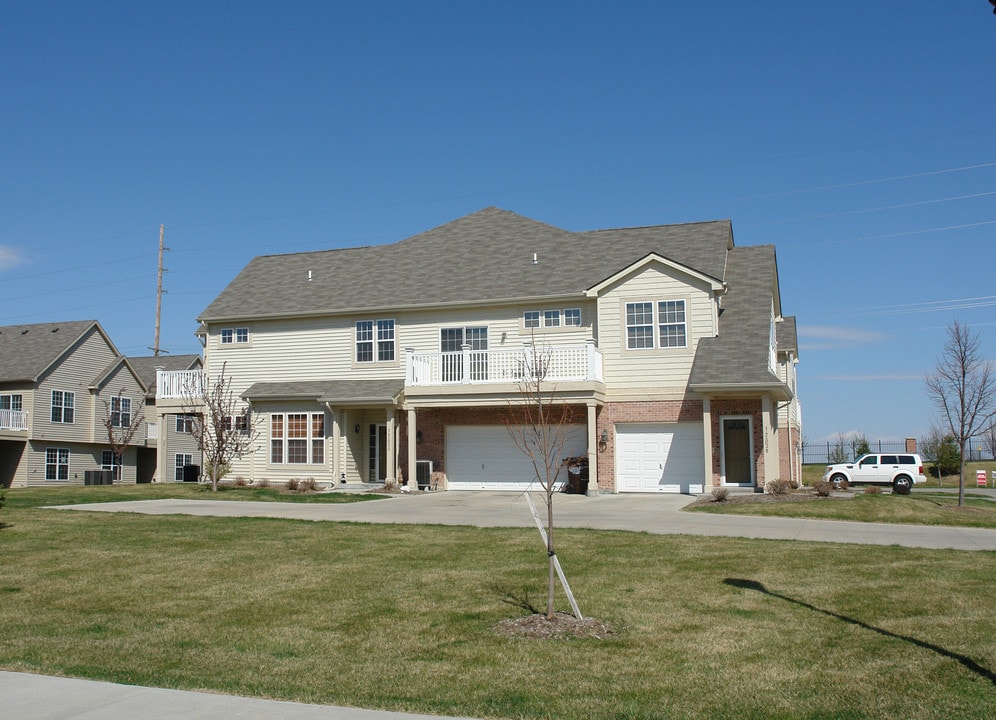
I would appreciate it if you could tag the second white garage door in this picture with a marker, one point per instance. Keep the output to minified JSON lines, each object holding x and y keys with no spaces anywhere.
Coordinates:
{"x":484,"y":457}
{"x":660,"y":457}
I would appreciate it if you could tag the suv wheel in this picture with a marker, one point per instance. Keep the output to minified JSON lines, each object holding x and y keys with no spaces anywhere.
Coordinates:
{"x":838,"y":481}
{"x":902,"y":485}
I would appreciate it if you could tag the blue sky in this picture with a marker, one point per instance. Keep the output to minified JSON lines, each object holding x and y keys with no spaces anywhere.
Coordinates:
{"x":858,"y":138}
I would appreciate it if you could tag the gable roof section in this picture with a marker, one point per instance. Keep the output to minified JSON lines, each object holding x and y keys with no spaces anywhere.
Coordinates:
{"x":737,"y":359}
{"x":27,"y":351}
{"x":651,"y":259}
{"x":484,"y":257}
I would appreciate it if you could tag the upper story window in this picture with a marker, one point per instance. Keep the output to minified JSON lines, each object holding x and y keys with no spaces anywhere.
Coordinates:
{"x":10,"y":402}
{"x":234,"y":336}
{"x":184,"y":423}
{"x":553,"y":318}
{"x":120,"y":412}
{"x":660,"y":324}
{"x":63,"y":406}
{"x":375,"y":341}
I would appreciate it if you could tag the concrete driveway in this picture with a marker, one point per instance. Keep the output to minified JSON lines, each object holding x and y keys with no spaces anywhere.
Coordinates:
{"x":657,"y":514}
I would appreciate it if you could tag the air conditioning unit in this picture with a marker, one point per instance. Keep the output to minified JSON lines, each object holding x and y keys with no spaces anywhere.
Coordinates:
{"x":423,"y":474}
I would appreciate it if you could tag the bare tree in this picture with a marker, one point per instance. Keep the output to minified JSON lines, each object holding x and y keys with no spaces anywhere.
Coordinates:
{"x":538,"y":425}
{"x":222,"y":426}
{"x":122,"y":422}
{"x":963,"y":388}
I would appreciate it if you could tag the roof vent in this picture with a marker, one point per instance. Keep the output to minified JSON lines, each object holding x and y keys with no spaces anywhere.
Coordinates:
{"x":535,"y":259}
{"x":309,"y":276}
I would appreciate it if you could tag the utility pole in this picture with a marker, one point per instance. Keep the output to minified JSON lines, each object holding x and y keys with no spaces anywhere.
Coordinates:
{"x":159,"y":291}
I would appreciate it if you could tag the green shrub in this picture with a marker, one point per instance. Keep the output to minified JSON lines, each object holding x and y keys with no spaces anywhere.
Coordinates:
{"x":949,"y":456}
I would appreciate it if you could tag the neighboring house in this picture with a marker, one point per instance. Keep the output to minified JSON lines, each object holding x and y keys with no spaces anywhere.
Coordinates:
{"x":176,"y":448}
{"x":58,"y":384}
{"x":394,"y":362}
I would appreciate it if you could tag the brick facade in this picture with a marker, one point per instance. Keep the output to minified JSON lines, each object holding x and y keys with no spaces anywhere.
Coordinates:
{"x":636,"y":412}
{"x":721,"y":408}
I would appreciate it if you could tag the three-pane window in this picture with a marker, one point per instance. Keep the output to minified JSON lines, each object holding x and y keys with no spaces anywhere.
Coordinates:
{"x":297,"y":438}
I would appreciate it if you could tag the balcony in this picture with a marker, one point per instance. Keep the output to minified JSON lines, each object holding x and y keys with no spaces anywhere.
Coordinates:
{"x":13,"y":420}
{"x":561,"y":363}
{"x":179,"y":385}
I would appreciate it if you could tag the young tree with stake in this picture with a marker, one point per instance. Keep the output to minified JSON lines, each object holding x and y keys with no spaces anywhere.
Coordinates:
{"x":223,"y":428}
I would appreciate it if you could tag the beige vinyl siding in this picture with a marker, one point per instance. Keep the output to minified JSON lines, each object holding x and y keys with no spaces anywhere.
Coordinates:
{"x":122,"y":382}
{"x":661,"y":372}
{"x":82,"y":457}
{"x":74,"y":372}
{"x":324,"y":348}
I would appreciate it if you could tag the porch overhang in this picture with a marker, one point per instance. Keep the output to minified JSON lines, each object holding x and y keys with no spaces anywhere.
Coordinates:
{"x":501,"y":394}
{"x":338,"y":393}
{"x":775,"y":390}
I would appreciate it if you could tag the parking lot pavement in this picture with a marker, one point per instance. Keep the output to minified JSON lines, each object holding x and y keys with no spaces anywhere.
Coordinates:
{"x":657,"y":514}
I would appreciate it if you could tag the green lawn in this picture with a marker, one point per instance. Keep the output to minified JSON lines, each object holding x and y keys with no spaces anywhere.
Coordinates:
{"x":403,"y":618}
{"x":918,"y":508}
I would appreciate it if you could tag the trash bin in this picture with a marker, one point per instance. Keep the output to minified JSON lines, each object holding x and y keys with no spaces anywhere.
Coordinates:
{"x":191,"y":473}
{"x":577,"y":475}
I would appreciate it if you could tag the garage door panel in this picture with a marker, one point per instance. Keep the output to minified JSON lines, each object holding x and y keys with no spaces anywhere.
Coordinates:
{"x":485,"y":457}
{"x":660,"y":457}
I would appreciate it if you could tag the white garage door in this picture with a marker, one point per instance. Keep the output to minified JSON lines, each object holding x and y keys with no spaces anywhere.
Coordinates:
{"x":660,"y":457}
{"x":484,"y":457}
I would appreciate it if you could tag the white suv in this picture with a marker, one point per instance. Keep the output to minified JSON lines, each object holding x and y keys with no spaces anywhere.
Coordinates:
{"x":900,"y":471}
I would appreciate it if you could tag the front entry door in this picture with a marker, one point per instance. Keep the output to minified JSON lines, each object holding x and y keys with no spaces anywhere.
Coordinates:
{"x":378,"y":453}
{"x":737,"y":451}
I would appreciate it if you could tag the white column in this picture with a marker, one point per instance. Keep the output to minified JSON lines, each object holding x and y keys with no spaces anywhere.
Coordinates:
{"x":336,"y":441}
{"x":707,"y":444}
{"x":412,"y":430}
{"x":391,"y":454}
{"x":592,"y":451}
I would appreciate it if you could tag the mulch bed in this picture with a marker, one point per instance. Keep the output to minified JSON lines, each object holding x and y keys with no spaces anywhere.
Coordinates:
{"x":562,"y":626}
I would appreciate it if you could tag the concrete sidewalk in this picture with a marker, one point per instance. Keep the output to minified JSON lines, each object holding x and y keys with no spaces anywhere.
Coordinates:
{"x":657,"y":514}
{"x":39,"y":697}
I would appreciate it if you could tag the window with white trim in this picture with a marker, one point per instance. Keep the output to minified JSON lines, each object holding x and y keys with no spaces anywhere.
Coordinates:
{"x":185,"y":423}
{"x":110,"y":460}
{"x":375,"y":341}
{"x":297,"y":438}
{"x":660,"y":324}
{"x":551,"y":318}
{"x":10,"y":402}
{"x":120,"y":412}
{"x":572,"y":317}
{"x":181,"y":459}
{"x":234,"y":336}
{"x":56,"y":464}
{"x":63,"y":406}
{"x":531,"y":318}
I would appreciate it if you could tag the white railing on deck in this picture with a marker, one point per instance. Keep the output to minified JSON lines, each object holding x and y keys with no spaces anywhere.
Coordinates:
{"x":13,"y":420}
{"x":560,"y":363}
{"x":179,"y":384}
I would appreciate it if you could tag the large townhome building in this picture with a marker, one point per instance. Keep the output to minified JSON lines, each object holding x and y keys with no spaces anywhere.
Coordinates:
{"x":404,"y":362}
{"x":60,"y":385}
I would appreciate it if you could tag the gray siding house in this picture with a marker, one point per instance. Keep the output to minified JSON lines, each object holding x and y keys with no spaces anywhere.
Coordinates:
{"x":391,"y":363}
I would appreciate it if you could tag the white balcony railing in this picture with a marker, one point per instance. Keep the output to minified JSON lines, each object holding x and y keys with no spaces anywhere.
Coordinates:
{"x":562,"y":363}
{"x":179,"y":384}
{"x":13,"y":420}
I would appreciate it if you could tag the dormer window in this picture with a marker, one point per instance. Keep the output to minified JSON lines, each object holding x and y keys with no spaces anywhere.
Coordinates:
{"x":656,"y":324}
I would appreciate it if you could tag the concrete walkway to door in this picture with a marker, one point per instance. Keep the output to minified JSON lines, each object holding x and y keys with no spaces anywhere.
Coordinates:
{"x":657,"y":514}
